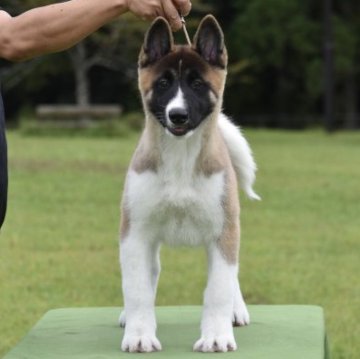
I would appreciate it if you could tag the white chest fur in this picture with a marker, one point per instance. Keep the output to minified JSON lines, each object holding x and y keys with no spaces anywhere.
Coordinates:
{"x":176,"y":205}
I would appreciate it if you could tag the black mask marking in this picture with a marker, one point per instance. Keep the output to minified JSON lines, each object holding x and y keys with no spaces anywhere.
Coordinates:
{"x":185,"y":73}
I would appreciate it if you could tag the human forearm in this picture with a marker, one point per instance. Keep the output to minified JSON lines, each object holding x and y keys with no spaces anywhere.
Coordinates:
{"x":55,"y":27}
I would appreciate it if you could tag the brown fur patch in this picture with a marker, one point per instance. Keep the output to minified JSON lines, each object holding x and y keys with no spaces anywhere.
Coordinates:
{"x":146,"y":80}
{"x":216,"y":78}
{"x":147,"y":155}
{"x":229,"y":242}
{"x":212,"y":157}
{"x":125,"y":223}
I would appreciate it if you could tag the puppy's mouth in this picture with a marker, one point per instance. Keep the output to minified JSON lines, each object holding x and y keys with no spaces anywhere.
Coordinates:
{"x":178,"y":130}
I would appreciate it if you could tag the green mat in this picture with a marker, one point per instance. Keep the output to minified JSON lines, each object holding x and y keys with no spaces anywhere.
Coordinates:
{"x":276,"y":331}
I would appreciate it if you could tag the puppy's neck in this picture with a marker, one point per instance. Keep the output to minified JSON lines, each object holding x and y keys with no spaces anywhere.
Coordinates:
{"x":181,"y":155}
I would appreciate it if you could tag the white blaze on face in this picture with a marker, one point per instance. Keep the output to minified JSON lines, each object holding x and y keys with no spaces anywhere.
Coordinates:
{"x":177,"y":102}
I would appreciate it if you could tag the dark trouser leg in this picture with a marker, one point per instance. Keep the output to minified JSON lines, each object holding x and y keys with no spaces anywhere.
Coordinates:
{"x":3,"y":166}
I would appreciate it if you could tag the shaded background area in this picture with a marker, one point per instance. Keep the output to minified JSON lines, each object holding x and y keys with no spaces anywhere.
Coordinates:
{"x":276,"y":66}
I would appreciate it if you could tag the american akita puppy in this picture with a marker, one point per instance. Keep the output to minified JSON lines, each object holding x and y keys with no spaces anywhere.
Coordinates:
{"x":181,"y":186}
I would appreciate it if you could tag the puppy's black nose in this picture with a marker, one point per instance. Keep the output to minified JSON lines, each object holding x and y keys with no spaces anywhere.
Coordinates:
{"x":178,"y":116}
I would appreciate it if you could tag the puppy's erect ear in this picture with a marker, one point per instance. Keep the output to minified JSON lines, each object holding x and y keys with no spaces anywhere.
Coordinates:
{"x":209,"y":42}
{"x":158,"y":42}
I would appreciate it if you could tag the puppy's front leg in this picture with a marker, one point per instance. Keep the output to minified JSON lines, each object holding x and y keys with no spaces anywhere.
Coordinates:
{"x":137,"y":258}
{"x":216,"y":325}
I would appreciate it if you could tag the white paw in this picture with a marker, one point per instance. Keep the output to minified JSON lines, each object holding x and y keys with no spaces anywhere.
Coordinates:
{"x":241,"y":316}
{"x":122,"y":319}
{"x":140,"y":344}
{"x":221,"y":343}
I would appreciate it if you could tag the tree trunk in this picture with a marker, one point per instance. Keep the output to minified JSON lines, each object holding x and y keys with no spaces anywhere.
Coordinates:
{"x":80,"y":68}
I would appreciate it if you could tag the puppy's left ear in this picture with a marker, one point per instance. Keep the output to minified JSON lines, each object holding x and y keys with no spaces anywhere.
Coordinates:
{"x":209,"y":42}
{"x":158,"y":42}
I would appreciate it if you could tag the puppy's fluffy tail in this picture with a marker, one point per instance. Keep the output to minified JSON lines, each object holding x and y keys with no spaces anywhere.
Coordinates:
{"x":241,"y":156}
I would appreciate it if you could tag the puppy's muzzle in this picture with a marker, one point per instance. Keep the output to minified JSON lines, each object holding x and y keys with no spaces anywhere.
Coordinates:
{"x":178,"y":121}
{"x":178,"y":116}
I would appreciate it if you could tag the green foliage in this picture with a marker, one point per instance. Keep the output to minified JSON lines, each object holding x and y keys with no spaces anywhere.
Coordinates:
{"x":265,"y":30}
{"x":281,"y":45}
{"x":300,"y":244}
{"x":346,"y":42}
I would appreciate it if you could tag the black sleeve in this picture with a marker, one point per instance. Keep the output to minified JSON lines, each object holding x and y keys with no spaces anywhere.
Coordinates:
{"x":3,"y":165}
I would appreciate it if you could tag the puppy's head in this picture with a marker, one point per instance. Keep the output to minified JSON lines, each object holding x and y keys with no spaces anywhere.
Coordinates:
{"x":181,"y":86}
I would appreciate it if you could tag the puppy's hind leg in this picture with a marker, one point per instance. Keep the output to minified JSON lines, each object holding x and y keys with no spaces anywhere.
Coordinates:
{"x":137,"y":263}
{"x":241,"y":315}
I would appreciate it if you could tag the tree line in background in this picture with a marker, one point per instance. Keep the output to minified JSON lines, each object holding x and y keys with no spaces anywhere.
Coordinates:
{"x":276,"y":67}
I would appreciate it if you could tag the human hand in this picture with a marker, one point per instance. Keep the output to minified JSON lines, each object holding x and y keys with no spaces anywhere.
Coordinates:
{"x":170,"y":9}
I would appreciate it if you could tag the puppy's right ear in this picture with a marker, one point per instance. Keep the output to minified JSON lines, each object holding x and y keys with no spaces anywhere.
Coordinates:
{"x":158,"y":42}
{"x":209,"y":42}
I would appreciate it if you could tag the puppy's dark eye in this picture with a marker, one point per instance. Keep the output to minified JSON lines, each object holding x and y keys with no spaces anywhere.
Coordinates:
{"x":163,"y":83}
{"x":196,"y":84}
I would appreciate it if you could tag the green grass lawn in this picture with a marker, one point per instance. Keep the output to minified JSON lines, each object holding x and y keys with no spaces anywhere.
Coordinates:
{"x":300,"y":245}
